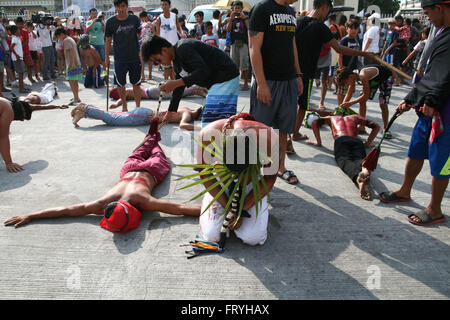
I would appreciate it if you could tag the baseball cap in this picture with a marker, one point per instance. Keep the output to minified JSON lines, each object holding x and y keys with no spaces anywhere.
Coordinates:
{"x":120,"y":217}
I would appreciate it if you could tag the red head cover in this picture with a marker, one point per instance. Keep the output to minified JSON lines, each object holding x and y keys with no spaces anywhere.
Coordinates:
{"x":114,"y":94}
{"x":121,"y":217}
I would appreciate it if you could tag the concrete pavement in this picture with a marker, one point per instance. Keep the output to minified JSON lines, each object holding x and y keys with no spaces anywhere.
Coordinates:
{"x":324,"y":241}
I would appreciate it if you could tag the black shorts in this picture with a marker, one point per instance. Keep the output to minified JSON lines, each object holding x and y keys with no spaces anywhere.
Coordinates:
{"x":303,"y":100}
{"x":400,"y":56}
{"x":122,"y":68}
{"x":34,"y":55}
{"x":385,"y":91}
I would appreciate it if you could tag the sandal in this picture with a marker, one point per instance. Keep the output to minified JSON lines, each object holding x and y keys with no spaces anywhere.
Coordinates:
{"x":290,"y":147}
{"x":287,"y":176}
{"x":392,"y":198}
{"x":388,"y":135}
{"x":425,"y":219}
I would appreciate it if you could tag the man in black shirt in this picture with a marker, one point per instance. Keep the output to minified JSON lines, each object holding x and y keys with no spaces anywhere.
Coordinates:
{"x":276,"y":83}
{"x":125,"y":30}
{"x":197,"y":63}
{"x":311,"y":34}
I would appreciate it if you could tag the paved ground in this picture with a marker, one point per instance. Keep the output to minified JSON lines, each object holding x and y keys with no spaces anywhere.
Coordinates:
{"x":324,"y":241}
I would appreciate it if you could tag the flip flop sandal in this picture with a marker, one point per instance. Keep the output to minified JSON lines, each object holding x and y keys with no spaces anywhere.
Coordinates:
{"x":425,"y":219}
{"x":392,"y":198}
{"x":287,"y":176}
{"x":290,"y":147}
{"x":388,"y":135}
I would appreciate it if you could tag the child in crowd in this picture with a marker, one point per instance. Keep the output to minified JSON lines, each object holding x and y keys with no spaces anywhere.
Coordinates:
{"x":17,"y":56}
{"x":389,"y":51}
{"x":418,"y":49}
{"x":146,"y":33}
{"x":210,"y":37}
{"x":344,"y":93}
{"x":74,"y":70}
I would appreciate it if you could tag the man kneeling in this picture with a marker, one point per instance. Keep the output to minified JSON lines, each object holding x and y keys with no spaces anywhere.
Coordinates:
{"x":349,"y":151}
{"x":122,"y":204}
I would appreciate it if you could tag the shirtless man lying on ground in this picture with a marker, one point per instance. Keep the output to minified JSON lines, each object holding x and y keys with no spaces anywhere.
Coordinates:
{"x":153,"y":93}
{"x":137,"y":117}
{"x":349,"y":151}
{"x":18,"y":110}
{"x":123,"y":204}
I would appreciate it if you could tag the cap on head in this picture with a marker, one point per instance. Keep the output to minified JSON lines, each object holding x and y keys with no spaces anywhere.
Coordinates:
{"x":120,"y":217}
{"x":114,"y":94}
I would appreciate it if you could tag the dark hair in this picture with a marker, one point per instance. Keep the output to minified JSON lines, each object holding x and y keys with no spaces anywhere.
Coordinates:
{"x":343,"y":74}
{"x":415,"y":20}
{"x":352,"y":24}
{"x":408,"y":21}
{"x":332,"y":17}
{"x":143,"y":14}
{"x":174,"y":10}
{"x":13,"y":29}
{"x":19,"y":20}
{"x":29,"y":24}
{"x":59,"y":31}
{"x":168,"y":1}
{"x":238,"y":3}
{"x":93,"y":9}
{"x":153,"y":46}
{"x":234,"y":164}
{"x":398,"y":18}
{"x":200,"y":13}
{"x":342,"y":20}
{"x":426,"y":31}
{"x":317,"y":4}
{"x":216,"y":14}
{"x":118,"y":2}
{"x":208,"y":24}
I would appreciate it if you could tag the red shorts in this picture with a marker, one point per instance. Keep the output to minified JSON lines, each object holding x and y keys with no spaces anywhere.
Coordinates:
{"x":28,"y":60}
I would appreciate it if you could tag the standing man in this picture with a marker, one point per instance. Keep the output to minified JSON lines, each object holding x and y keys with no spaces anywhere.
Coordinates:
{"x":311,"y":34}
{"x":46,"y":32}
{"x":74,"y":70}
{"x":125,"y":30}
{"x":168,"y":27}
{"x":196,"y":62}
{"x":237,"y":26}
{"x":95,"y":28}
{"x":431,"y":136}
{"x":277,"y":77}
{"x":371,"y":42}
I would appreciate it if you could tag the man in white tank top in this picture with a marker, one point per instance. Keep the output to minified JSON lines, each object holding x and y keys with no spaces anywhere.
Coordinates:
{"x":168,"y":27}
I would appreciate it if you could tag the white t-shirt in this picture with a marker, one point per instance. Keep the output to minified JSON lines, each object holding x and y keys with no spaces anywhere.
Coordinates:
{"x":374,"y":34}
{"x":215,"y":23}
{"x":17,"y":48}
{"x":46,"y":36}
{"x":32,"y":41}
{"x":168,"y":28}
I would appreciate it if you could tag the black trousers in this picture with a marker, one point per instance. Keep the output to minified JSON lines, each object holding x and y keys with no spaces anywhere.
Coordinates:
{"x":349,"y":152}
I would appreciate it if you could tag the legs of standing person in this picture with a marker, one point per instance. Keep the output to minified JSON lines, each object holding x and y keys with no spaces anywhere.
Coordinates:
{"x":28,"y":60}
{"x":120,"y":77}
{"x":280,"y":114}
{"x":47,"y":52}
{"x":89,"y":78}
{"x":2,"y":70}
{"x":324,"y":79}
{"x":384,"y":98}
{"x":74,"y":87}
{"x":303,"y":105}
{"x":135,"y":80}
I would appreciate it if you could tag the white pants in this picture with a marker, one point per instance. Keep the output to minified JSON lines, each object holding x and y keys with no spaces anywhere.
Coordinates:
{"x":253,"y":231}
{"x":47,"y":93}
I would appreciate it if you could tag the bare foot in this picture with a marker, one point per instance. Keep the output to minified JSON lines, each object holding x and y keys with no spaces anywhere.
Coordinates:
{"x":113,"y":106}
{"x":297,"y":136}
{"x":313,"y":143}
{"x":363,"y":184}
{"x":78,"y":113}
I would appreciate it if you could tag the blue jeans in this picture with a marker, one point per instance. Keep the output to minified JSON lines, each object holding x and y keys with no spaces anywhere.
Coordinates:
{"x":100,"y":48}
{"x":136,"y":117}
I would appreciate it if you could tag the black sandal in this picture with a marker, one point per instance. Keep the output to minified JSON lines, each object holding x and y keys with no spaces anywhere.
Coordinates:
{"x":287,"y":176}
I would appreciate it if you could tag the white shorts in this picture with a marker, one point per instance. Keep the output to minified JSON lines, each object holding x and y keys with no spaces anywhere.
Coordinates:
{"x":47,"y":93}
{"x":253,"y":231}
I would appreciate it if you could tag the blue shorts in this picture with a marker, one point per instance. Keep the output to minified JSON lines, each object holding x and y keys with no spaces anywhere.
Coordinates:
{"x":438,"y":153}
{"x":221,"y":101}
{"x":90,"y":81}
{"x":389,"y":58}
{"x":120,"y":73}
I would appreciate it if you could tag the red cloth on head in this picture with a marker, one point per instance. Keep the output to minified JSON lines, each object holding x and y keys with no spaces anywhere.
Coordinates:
{"x":124,"y":218}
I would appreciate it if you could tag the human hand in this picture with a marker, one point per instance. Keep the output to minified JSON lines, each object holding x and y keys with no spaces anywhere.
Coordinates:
{"x":18,"y":221}
{"x":427,"y":110}
{"x":402,"y":107}
{"x":263,"y":93}
{"x":168,"y":86}
{"x":346,"y":105}
{"x":235,"y":225}
{"x":14,"y":167}
{"x":404,"y":63}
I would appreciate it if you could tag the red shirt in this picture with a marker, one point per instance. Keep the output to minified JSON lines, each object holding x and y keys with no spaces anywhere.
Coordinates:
{"x":24,"y":37}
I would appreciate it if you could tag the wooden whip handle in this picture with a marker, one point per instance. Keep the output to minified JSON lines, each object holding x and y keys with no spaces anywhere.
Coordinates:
{"x":392,"y":68}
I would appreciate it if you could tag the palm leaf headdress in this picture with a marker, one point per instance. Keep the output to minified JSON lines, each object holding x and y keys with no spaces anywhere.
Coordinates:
{"x":237,"y":163}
